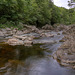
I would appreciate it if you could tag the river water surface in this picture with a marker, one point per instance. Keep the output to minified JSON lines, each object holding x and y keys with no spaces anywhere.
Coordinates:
{"x":35,"y":60}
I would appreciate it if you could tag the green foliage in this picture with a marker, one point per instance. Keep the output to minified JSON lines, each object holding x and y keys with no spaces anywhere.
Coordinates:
{"x":34,"y":12}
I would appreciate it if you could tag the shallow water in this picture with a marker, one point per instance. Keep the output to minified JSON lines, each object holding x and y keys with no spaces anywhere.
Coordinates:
{"x":35,"y":60}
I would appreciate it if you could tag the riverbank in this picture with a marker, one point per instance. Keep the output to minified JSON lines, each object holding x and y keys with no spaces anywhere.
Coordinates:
{"x":66,"y":53}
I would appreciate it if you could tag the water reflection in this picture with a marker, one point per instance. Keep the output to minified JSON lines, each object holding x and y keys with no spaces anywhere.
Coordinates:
{"x":15,"y":58}
{"x":26,"y":52}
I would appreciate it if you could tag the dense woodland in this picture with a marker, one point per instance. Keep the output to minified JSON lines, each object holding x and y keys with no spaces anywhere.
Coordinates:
{"x":34,"y":12}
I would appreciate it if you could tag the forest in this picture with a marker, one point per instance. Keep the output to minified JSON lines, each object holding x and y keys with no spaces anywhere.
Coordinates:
{"x":34,"y":12}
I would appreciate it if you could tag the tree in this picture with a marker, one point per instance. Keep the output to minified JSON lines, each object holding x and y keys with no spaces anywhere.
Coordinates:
{"x":71,"y":3}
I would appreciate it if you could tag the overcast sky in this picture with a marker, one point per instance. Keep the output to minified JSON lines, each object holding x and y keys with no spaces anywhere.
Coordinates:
{"x":61,"y":3}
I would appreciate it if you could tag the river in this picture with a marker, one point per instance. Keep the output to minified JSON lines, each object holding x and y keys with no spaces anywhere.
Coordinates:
{"x":35,"y":60}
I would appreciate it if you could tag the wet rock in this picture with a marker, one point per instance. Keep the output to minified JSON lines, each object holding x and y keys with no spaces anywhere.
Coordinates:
{"x":44,"y":41}
{"x":64,"y":32}
{"x":66,"y":53}
{"x":14,"y":41}
{"x":58,"y":33}
{"x":24,"y":37}
{"x":1,"y":34}
{"x":19,"y":37}
{"x":19,"y":32}
{"x":25,"y":31}
{"x":14,"y":31}
{"x":20,"y":40}
{"x":8,"y":33}
{"x":28,"y":43}
{"x":3,"y":30}
{"x":31,"y":28}
{"x":61,"y":40}
{"x":46,"y":35}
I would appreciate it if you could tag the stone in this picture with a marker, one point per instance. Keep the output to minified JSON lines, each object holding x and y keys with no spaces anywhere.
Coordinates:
{"x":19,"y":32}
{"x":14,"y":41}
{"x":25,"y":31}
{"x":14,"y":31}
{"x":1,"y":34}
{"x":66,"y":52}
{"x":19,"y":37}
{"x":46,"y":35}
{"x":8,"y":33}
{"x":28,"y":43}
{"x":31,"y":28}
{"x":47,"y":27}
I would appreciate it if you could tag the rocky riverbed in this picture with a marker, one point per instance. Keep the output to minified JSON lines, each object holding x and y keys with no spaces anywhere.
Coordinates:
{"x":34,"y":57}
{"x":66,"y":53}
{"x":13,"y":36}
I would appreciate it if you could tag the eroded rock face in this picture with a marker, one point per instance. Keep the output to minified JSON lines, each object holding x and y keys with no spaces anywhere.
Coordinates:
{"x":66,"y":53}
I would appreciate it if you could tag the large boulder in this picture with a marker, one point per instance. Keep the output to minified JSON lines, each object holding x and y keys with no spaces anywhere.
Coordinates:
{"x":19,"y":37}
{"x":14,"y":41}
{"x":31,"y":28}
{"x":21,"y":40}
{"x":24,"y":37}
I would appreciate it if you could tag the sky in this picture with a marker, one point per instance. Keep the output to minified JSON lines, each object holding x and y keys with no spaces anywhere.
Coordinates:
{"x":61,"y":3}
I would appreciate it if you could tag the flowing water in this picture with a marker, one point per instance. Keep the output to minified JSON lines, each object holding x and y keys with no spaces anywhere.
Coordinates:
{"x":35,"y":60}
